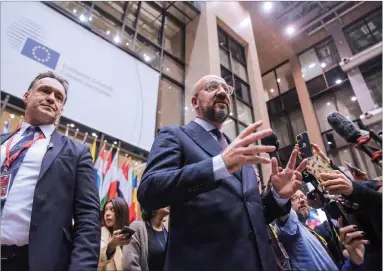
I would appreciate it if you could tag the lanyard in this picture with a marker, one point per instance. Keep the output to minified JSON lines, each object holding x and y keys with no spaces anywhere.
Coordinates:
{"x":158,"y":239}
{"x":9,"y":160}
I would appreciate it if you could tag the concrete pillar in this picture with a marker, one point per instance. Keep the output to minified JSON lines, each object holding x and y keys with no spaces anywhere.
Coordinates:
{"x":307,"y":108}
{"x":357,"y":82}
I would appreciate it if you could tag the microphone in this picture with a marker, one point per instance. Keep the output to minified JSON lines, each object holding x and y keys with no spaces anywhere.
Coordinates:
{"x":351,"y":133}
{"x":50,"y":146}
{"x":272,"y":140}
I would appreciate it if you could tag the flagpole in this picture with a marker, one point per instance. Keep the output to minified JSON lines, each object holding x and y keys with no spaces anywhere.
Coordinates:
{"x":67,"y":130}
{"x":85,"y":138}
{"x":75,"y":134}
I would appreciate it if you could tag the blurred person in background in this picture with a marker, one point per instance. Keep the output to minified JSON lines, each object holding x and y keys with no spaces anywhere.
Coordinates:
{"x":147,"y":250}
{"x":47,"y":180}
{"x":115,"y":216}
{"x":308,"y":250}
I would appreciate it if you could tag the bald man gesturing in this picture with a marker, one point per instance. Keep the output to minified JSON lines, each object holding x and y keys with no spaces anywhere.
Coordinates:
{"x":217,"y":217}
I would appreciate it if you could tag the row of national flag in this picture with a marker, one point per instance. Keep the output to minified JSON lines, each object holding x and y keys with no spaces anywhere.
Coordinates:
{"x":114,"y":181}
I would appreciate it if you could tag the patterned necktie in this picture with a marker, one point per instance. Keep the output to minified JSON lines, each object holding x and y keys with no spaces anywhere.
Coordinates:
{"x":220,"y":138}
{"x":14,"y":167}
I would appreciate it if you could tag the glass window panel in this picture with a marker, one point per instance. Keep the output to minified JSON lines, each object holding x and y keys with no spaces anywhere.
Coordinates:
{"x":347,"y":103}
{"x":310,"y":64}
{"x":174,"y":39}
{"x":241,"y":128}
{"x":178,"y":14}
{"x":74,"y":8}
{"x":280,"y":126}
{"x":377,"y":35}
{"x":227,"y":76}
{"x":364,"y":42}
{"x":324,"y":105}
{"x":290,"y":99}
{"x":285,"y":78}
{"x":244,"y":112}
{"x":147,"y":52}
{"x":374,"y":84}
{"x":104,"y":26}
{"x":328,"y":55}
{"x":169,"y":104}
{"x":237,"y":51}
{"x":333,"y":141}
{"x":224,"y":58}
{"x":270,"y":86}
{"x":163,"y":4}
{"x":184,"y":8}
{"x":173,"y":69}
{"x":222,"y":39}
{"x":113,"y":8}
{"x":358,"y":31}
{"x":149,"y":23}
{"x":297,"y":122}
{"x":127,"y":38}
{"x":333,"y":76}
{"x":228,"y":129}
{"x":131,"y":13}
{"x":274,"y":106}
{"x":239,"y":70}
{"x":316,"y":85}
{"x":242,"y":90}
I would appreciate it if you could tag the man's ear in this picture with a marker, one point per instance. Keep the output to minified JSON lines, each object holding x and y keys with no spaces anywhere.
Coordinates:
{"x":194,"y":101}
{"x":25,"y":97}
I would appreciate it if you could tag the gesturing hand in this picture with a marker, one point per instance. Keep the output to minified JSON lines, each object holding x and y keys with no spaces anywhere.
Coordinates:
{"x":239,"y":153}
{"x":287,"y":181}
{"x":118,"y":239}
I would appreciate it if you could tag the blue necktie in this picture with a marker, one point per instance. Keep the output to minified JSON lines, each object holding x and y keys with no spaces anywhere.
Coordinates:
{"x":220,"y":138}
{"x":14,"y":167}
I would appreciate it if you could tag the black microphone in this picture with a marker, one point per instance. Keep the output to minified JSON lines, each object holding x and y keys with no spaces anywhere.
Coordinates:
{"x":351,"y":133}
{"x":272,"y":140}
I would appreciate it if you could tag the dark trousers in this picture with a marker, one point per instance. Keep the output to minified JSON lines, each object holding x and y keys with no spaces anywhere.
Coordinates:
{"x":14,"y":258}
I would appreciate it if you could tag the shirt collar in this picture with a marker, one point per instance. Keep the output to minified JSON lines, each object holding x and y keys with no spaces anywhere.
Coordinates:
{"x":46,"y":129}
{"x":205,"y":124}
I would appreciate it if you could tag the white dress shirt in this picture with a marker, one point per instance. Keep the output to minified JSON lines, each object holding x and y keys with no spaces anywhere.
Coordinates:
{"x":17,"y":211}
{"x":219,"y":167}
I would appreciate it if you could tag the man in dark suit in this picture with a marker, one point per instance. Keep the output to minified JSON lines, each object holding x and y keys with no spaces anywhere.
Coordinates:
{"x":217,"y":217}
{"x":47,"y":180}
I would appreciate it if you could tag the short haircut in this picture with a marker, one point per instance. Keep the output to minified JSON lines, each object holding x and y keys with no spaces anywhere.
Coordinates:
{"x":50,"y":74}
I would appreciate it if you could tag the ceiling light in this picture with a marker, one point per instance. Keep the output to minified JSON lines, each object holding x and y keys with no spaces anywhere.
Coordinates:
{"x":353,"y":98}
{"x":272,"y":90}
{"x":12,"y":116}
{"x":267,"y":6}
{"x":278,"y":80}
{"x":312,"y":65}
{"x":329,"y":142}
{"x":323,"y":65}
{"x":147,"y":58}
{"x":94,"y":134}
{"x":82,"y":18}
{"x":115,"y":143}
{"x":75,"y":10}
{"x":167,"y":69}
{"x":170,"y":87}
{"x":328,"y":103}
{"x":90,"y":18}
{"x":186,"y":108}
{"x":303,"y":76}
{"x":290,"y":30}
{"x":231,"y":113}
{"x":107,"y":32}
{"x":72,"y":125}
{"x":144,"y":54}
{"x":117,"y":39}
{"x":221,"y":43}
{"x":338,"y":81}
{"x":245,"y":22}
{"x":127,"y":43}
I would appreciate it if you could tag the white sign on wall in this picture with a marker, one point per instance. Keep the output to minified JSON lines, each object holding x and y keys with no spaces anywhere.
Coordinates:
{"x":109,"y":90}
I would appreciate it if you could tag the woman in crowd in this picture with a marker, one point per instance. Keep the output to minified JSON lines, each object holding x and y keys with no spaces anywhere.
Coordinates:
{"x":147,"y":250}
{"x":115,"y":216}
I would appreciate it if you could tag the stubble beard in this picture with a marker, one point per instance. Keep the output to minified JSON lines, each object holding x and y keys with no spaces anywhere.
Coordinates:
{"x":212,"y":114}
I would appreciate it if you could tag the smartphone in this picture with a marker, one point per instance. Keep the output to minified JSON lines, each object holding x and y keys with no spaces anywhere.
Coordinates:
{"x":127,"y":231}
{"x":304,"y":145}
{"x":354,"y":170}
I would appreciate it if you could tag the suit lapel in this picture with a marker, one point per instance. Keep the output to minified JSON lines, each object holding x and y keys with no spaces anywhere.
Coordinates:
{"x":202,"y":138}
{"x":246,"y":181}
{"x":205,"y":140}
{"x":56,"y":144}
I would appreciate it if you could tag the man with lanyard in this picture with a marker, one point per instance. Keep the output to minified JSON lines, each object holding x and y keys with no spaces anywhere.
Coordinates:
{"x":308,"y":250}
{"x":47,"y":180}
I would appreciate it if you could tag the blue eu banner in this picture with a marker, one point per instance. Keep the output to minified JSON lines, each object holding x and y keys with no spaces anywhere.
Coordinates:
{"x":40,"y":53}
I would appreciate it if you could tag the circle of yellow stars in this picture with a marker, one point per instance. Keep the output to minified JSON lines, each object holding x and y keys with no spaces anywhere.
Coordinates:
{"x":39,"y":47}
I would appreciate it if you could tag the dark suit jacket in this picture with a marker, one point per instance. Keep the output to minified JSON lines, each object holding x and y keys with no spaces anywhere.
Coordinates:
{"x":213,"y":225}
{"x":66,"y":189}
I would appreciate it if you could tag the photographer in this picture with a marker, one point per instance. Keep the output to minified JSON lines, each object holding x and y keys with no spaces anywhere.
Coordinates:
{"x":308,"y":250}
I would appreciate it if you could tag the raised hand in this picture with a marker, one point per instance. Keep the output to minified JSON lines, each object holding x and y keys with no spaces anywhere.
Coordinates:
{"x":239,"y":152}
{"x":336,"y":183}
{"x":289,"y":180}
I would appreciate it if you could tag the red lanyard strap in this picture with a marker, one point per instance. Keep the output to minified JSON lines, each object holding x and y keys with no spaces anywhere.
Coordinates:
{"x":9,"y":160}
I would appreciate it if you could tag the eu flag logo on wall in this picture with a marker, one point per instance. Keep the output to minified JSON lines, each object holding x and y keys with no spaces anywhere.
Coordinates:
{"x":40,"y":53}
